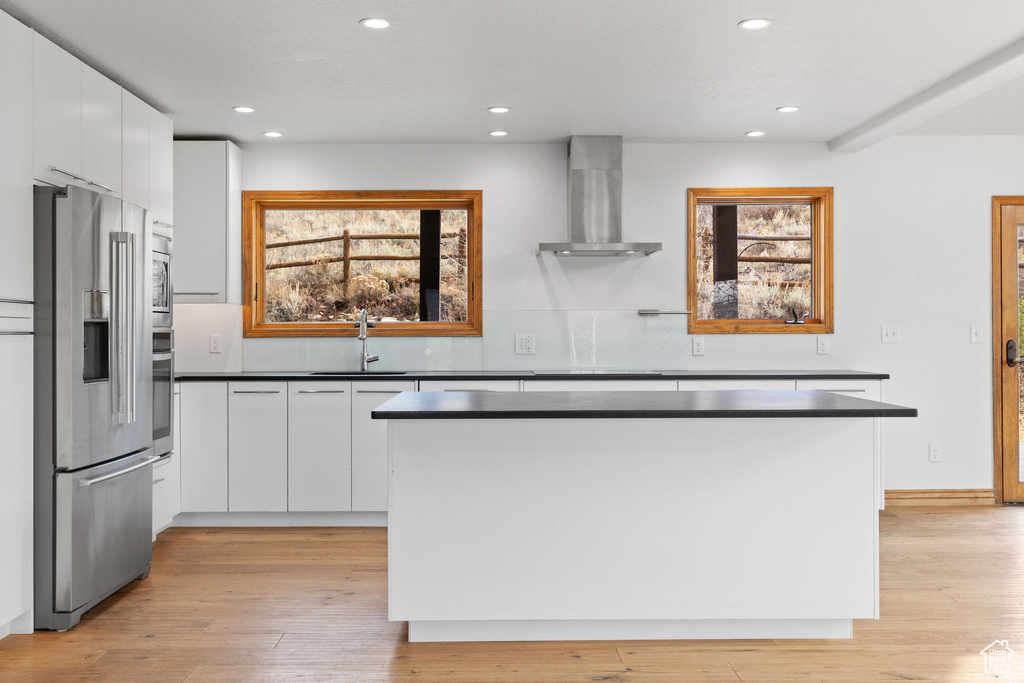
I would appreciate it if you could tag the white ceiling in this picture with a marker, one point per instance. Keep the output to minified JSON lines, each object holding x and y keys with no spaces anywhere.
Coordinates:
{"x":650,"y":70}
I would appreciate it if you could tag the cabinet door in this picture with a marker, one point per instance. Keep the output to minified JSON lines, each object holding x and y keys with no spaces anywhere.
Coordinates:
{"x":204,"y":446}
{"x":736,"y":384}
{"x":16,"y":487}
{"x":161,"y":495}
{"x":57,"y":79}
{"x":257,"y":446}
{"x":101,"y":131}
{"x":200,"y":214}
{"x":470,"y":385}
{"x":601,"y":385}
{"x":319,"y":446}
{"x":370,"y":444}
{"x":161,"y":167}
{"x":16,"y":159}
{"x":134,"y":150}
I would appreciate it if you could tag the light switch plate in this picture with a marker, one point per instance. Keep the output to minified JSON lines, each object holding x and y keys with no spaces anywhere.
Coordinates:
{"x":526,"y":344}
{"x":890,"y":334}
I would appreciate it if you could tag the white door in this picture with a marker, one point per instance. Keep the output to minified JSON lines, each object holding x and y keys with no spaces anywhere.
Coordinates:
{"x":16,"y":487}
{"x":203,"y":446}
{"x":15,"y":159}
{"x":101,"y":131}
{"x":319,"y":446}
{"x":57,"y":78}
{"x":134,"y":150}
{"x":257,"y":446}
{"x":161,"y":167}
{"x":370,"y":444}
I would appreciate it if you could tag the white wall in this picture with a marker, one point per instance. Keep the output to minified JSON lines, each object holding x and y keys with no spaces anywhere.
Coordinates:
{"x":912,"y":243}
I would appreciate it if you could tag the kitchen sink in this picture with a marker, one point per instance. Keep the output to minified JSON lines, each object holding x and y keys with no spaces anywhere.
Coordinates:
{"x":354,"y":373}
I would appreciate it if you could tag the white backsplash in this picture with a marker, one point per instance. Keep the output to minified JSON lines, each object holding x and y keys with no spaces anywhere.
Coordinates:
{"x":193,"y":325}
{"x":566,"y":339}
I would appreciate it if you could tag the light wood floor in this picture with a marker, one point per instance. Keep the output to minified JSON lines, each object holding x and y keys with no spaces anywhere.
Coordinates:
{"x":310,"y":605}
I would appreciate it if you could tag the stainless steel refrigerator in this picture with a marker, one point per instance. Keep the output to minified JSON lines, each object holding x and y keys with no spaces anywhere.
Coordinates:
{"x":93,"y":401}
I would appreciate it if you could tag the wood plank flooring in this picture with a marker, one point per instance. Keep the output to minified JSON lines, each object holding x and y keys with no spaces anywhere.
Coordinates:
{"x":310,"y":604}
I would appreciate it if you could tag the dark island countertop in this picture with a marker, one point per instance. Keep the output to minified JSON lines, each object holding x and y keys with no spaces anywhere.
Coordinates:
{"x":536,"y":375}
{"x":467,"y":405}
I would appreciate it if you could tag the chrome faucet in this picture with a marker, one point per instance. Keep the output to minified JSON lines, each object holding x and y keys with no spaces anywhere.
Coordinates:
{"x":366,"y":358}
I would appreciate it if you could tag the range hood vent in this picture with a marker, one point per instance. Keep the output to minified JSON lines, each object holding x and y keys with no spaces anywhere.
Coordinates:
{"x":595,"y":201}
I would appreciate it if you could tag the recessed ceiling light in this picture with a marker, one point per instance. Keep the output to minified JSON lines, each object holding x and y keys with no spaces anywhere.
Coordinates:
{"x":754,"y":24}
{"x":787,"y":109}
{"x":499,"y":133}
{"x":498,"y":110}
{"x":375,"y":22}
{"x":755,"y":133}
{"x":566,"y":252}
{"x":630,"y":252}
{"x":244,"y":110}
{"x":275,"y":134}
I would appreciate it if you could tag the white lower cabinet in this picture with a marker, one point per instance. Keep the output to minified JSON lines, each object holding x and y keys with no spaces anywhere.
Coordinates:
{"x":319,"y":446}
{"x":203,"y":446}
{"x":257,"y":446}
{"x":472,"y":385}
{"x":166,"y":492}
{"x":736,"y":384}
{"x":601,"y":385}
{"x":370,"y":444}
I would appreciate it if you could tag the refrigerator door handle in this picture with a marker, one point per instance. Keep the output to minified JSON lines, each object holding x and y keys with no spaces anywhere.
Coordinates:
{"x":105,"y":477}
{"x":123,"y":270}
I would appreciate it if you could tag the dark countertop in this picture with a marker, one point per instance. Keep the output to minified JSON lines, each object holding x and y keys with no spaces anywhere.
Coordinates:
{"x":467,"y":405}
{"x":538,"y":375}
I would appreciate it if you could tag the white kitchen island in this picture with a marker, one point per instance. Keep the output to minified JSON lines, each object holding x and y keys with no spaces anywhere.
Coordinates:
{"x":579,"y":515}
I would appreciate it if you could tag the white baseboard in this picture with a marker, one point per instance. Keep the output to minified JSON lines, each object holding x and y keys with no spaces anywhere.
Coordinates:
{"x":244,"y":519}
{"x":646,"y":629}
{"x":22,"y":624}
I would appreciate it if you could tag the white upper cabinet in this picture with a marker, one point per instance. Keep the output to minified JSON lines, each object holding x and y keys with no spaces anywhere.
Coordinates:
{"x":15,"y":159}
{"x":57,"y":77}
{"x":207,"y":222}
{"x":135,"y":166}
{"x":101,"y":131}
{"x":77,"y":115}
{"x":161,"y":167}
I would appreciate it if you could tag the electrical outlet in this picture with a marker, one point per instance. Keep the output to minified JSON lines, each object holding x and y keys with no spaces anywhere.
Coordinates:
{"x":822,"y":346}
{"x":214,"y":343}
{"x":890,"y":334}
{"x":698,"y":346}
{"x":934,"y":452}
{"x":526,"y":344}
{"x":975,"y":334}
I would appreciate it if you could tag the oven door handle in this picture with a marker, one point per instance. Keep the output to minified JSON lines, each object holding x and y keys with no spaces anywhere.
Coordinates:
{"x":162,"y":356}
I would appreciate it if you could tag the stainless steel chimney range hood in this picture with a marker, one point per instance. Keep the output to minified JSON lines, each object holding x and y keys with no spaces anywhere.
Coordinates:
{"x":595,"y":201}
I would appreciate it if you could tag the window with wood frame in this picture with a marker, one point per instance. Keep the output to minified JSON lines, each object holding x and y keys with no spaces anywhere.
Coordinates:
{"x":313,"y":260}
{"x":760,"y":260}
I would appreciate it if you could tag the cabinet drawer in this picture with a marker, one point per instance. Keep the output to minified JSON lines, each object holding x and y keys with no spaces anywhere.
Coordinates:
{"x":869,"y":389}
{"x":736,"y":384}
{"x":601,"y":385}
{"x":471,"y":385}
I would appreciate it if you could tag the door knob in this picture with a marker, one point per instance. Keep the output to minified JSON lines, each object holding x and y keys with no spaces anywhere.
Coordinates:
{"x":1011,"y":353}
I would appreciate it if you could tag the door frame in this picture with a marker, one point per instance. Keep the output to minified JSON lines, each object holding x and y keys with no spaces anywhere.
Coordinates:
{"x":1006,"y":456}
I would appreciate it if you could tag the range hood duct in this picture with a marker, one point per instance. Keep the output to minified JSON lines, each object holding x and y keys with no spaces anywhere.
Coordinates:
{"x":595,"y":201}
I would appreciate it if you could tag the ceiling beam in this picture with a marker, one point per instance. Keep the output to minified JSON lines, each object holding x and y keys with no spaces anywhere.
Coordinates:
{"x":998,"y":68}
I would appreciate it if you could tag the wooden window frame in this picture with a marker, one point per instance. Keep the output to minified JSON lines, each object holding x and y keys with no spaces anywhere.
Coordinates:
{"x":254,"y":206}
{"x":821,"y":199}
